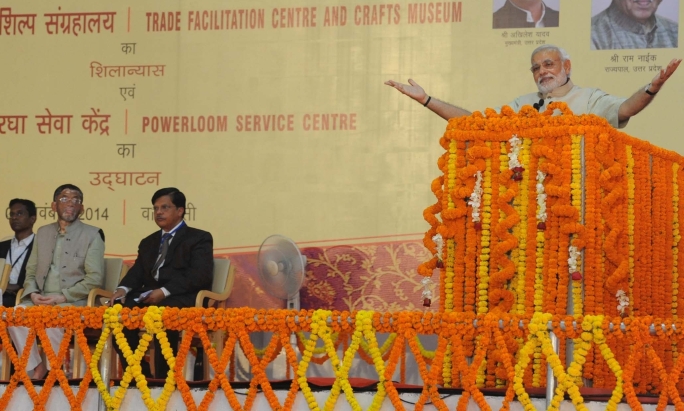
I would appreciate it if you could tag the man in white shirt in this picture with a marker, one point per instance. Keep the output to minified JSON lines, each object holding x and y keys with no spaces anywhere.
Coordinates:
{"x":551,"y":68}
{"x":16,"y":251}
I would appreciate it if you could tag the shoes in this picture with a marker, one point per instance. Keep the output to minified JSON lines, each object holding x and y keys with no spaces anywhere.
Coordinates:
{"x":39,"y":372}
{"x":145,"y":368}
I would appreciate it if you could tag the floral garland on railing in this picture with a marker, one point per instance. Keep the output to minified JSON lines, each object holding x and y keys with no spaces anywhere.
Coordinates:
{"x":496,"y":332}
{"x":154,"y":327}
{"x":73,"y":320}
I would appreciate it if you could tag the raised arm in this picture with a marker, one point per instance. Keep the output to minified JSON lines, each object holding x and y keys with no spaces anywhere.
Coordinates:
{"x":439,"y":107}
{"x":642,"y":97}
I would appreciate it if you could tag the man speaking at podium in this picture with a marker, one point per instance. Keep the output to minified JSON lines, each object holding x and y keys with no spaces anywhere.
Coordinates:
{"x":551,"y":69}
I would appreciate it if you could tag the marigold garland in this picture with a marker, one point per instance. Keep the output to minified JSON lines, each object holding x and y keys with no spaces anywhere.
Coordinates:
{"x":676,"y":237}
{"x":630,"y":222}
{"x":496,"y":339}
{"x":615,"y":236}
{"x":618,"y":186}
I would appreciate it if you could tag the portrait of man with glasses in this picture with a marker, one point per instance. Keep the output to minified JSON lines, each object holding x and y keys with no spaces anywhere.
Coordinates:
{"x":634,"y":24}
{"x":66,"y":263}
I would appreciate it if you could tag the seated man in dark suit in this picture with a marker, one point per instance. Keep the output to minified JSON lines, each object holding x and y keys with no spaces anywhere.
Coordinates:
{"x":172,"y":266}
{"x":16,"y":251}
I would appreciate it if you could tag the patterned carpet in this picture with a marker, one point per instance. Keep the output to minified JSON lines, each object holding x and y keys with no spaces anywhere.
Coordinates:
{"x":379,"y":277}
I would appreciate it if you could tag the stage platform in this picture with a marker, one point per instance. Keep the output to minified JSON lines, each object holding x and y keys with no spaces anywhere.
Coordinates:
{"x":364,"y":390}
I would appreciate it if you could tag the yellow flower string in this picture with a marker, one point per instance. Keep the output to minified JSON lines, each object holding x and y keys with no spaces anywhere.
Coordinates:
{"x":110,"y":316}
{"x":483,"y":270}
{"x":576,"y":196}
{"x":448,"y":270}
{"x":521,"y":233}
{"x":318,"y":325}
{"x":485,"y":255}
{"x":613,"y":365}
{"x":567,"y":381}
{"x":155,"y":326}
{"x":366,"y":319}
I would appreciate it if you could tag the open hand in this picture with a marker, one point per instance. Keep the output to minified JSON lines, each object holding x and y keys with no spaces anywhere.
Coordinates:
{"x":412,"y":90}
{"x":664,"y":74}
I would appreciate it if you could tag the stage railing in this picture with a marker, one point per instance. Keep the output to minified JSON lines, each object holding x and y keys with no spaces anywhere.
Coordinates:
{"x":466,"y":346}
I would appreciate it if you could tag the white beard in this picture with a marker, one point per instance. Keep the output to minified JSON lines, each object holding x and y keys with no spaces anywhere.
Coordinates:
{"x":554,"y":83}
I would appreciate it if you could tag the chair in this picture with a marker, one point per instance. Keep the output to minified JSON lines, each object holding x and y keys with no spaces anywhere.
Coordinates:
{"x":221,"y":287}
{"x":114,"y":271}
{"x":4,"y":280}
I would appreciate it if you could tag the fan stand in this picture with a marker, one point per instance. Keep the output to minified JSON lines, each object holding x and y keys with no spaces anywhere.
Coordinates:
{"x":282,"y":269}
{"x":293,"y":303}
{"x":277,"y":370}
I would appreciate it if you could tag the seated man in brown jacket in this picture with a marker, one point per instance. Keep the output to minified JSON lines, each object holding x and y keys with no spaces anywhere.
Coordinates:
{"x":66,"y":263}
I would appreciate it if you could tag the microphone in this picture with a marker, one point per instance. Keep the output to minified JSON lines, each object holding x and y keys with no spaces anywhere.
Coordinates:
{"x":539,"y":105}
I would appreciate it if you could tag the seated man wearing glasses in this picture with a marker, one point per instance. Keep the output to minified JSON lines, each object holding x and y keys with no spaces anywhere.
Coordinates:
{"x":67,"y":262}
{"x":173,"y":265}
{"x":551,"y":71}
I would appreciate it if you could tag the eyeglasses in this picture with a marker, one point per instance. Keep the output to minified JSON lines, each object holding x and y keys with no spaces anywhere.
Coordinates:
{"x":164,"y":208}
{"x":547,"y":64}
{"x":73,"y":200}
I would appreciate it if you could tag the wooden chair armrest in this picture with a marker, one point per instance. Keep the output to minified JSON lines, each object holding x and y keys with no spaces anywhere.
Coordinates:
{"x":4,"y":280}
{"x":210,"y":295}
{"x":97,"y":292}
{"x":20,"y":294}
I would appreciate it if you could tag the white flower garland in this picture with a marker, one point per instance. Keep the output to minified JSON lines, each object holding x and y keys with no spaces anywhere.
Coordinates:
{"x":623,"y":301}
{"x":541,"y":197}
{"x":427,"y":289}
{"x":513,"y":161}
{"x":439,"y":243}
{"x":427,"y":283}
{"x":476,"y":197}
{"x":573,"y":259}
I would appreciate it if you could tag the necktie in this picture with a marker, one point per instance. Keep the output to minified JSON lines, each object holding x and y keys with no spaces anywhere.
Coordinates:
{"x":162,"y":254}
